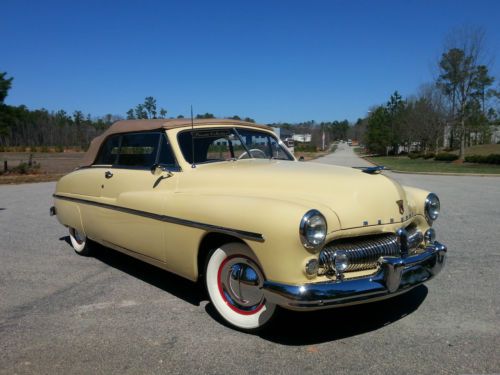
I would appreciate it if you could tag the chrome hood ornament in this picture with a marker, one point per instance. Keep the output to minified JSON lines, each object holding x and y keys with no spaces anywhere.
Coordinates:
{"x":401,"y":206}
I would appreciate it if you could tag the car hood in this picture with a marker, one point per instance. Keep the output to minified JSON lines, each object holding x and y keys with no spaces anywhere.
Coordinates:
{"x":358,"y":199}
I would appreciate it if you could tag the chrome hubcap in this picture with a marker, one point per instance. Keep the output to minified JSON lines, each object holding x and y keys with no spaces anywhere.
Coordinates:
{"x":240,"y":282}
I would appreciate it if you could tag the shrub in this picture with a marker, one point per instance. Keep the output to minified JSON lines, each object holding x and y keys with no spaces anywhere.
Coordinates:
{"x":415,"y":155}
{"x":59,"y":148}
{"x":445,"y":156}
{"x":22,"y":168}
{"x":493,"y":159}
{"x":484,"y":159}
{"x":472,"y":159}
{"x":25,"y":168}
{"x":429,"y":155}
{"x":304,"y":148}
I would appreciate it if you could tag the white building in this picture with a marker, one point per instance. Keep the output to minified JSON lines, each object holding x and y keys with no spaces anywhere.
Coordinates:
{"x":304,"y":138}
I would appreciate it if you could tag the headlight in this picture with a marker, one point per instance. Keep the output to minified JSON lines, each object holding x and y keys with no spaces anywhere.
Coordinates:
{"x":313,"y":229}
{"x":432,"y":207}
{"x":341,"y":261}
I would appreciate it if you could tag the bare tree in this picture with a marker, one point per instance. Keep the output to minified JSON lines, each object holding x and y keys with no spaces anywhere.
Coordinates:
{"x":461,"y":69}
{"x":431,"y":105}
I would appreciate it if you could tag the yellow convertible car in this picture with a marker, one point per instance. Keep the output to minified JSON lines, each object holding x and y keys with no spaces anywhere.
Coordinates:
{"x":226,"y":201}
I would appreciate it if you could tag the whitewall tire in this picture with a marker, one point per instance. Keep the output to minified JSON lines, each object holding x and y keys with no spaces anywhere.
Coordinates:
{"x":234,"y":281}
{"x":79,"y":241}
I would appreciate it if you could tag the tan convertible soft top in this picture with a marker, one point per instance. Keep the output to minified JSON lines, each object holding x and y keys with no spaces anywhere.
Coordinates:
{"x":127,"y":126}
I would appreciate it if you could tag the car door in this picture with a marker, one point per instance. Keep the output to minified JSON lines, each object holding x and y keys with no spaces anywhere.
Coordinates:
{"x":134,"y":193}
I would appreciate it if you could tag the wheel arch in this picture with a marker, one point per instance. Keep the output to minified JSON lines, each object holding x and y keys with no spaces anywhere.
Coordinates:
{"x":210,"y":241}
{"x":69,"y":214}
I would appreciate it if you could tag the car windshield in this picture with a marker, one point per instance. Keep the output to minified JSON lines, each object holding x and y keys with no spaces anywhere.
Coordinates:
{"x":215,"y":145}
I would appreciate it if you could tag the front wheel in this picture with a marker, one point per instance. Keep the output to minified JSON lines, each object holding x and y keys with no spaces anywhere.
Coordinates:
{"x":234,"y":281}
{"x":79,"y":241}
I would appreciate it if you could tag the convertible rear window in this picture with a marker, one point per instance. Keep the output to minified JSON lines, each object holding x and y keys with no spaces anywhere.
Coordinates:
{"x":213,"y":145}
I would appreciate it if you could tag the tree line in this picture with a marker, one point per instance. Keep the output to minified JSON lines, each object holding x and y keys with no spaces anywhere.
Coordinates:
{"x":149,"y":110}
{"x":22,"y":127}
{"x":456,"y":110}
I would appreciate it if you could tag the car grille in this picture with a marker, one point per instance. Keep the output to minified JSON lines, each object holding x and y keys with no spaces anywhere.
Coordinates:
{"x":364,"y":252}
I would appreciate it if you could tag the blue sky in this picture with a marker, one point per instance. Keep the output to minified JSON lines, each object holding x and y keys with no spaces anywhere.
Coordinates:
{"x":270,"y":60}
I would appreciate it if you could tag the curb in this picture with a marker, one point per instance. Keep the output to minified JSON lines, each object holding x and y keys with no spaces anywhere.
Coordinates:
{"x":438,"y":173}
{"x":447,"y":173}
{"x":368,"y":161}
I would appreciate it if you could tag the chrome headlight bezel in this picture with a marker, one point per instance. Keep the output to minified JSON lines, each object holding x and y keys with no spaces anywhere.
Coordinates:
{"x":432,"y":207}
{"x":316,"y":218}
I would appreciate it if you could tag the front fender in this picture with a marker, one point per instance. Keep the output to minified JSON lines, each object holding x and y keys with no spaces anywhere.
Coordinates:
{"x":416,"y":199}
{"x":280,"y":253}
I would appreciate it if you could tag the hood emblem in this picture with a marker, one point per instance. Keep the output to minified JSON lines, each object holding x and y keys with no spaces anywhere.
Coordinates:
{"x":401,"y":206}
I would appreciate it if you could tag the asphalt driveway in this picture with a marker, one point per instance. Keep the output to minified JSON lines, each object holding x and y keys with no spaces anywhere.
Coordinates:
{"x":62,"y":313}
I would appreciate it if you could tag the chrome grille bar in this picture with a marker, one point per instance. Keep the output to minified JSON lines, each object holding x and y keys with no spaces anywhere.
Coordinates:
{"x":364,"y":252}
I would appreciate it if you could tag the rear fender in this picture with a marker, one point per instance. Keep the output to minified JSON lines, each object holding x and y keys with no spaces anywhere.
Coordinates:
{"x":69,"y":215}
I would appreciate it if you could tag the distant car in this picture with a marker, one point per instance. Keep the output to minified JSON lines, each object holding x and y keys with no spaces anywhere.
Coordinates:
{"x":225,"y":201}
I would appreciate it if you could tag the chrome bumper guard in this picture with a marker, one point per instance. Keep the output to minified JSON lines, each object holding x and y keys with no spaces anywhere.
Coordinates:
{"x":394,"y":275}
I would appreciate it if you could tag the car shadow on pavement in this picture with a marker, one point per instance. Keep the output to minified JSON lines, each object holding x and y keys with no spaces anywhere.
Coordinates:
{"x":178,"y":286}
{"x":287,"y":327}
{"x":306,"y":328}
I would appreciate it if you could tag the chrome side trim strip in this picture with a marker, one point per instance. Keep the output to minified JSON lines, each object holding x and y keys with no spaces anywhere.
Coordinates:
{"x":169,"y":219}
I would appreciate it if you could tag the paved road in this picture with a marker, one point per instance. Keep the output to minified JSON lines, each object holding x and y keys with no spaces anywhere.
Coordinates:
{"x":61,"y":313}
{"x":344,"y":156}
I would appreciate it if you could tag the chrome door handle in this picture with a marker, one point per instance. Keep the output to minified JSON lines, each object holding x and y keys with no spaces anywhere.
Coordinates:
{"x":108,"y":174}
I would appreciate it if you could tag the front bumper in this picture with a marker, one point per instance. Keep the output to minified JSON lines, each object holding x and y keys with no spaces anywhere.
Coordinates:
{"x":394,"y":276}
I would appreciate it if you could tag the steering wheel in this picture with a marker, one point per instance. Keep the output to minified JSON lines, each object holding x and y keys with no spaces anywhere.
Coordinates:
{"x":253,"y":151}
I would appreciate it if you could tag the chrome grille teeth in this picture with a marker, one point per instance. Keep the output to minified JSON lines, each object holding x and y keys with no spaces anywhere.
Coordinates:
{"x":362,"y":253}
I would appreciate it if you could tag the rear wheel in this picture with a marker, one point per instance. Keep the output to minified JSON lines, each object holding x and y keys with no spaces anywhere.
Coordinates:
{"x":234,"y":281}
{"x":79,"y":242}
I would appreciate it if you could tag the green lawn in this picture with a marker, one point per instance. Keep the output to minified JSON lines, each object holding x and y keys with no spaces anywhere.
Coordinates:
{"x":405,"y":164}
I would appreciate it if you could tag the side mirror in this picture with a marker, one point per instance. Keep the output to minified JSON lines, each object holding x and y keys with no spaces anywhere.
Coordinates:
{"x":161,"y":171}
